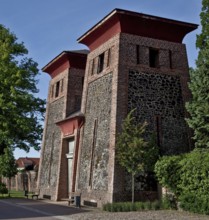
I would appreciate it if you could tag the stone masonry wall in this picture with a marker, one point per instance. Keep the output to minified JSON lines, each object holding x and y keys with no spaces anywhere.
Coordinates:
{"x":159,"y":94}
{"x":74,"y":90}
{"x":94,"y":154}
{"x":104,"y":161}
{"x":51,"y":150}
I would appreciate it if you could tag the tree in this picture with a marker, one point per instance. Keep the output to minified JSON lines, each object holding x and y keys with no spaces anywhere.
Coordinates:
{"x":8,"y":167}
{"x":132,"y":151}
{"x":199,"y":85}
{"x":20,"y":111}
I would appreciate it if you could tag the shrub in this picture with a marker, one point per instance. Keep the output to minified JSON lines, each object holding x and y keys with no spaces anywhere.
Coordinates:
{"x":195,"y":203}
{"x":139,"y":206}
{"x":129,"y":206}
{"x":156,"y":205}
{"x":167,"y":170}
{"x":169,"y":201}
{"x":187,"y":176}
{"x":3,"y":188}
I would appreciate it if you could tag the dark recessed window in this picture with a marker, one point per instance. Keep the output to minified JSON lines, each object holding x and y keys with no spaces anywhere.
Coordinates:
{"x":170,"y":58}
{"x":108,"y":57}
{"x":153,"y":58}
{"x":82,"y":81}
{"x":62,"y":85}
{"x":57,"y":89}
{"x":100,"y":63}
{"x":137,"y":55}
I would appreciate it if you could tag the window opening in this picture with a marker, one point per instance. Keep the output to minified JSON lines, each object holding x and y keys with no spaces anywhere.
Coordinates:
{"x":82,"y":81}
{"x":170,"y":58}
{"x":52,"y":91}
{"x":100,"y":63}
{"x":108,"y":57}
{"x":57,"y":89}
{"x":62,"y":85}
{"x":91,"y":67}
{"x":137,"y":55}
{"x":153,"y":57}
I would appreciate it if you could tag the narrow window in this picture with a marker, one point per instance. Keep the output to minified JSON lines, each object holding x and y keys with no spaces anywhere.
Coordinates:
{"x":91,"y":67}
{"x":82,"y":81}
{"x":108,"y":57}
{"x":57,"y":89}
{"x":52,"y":91}
{"x":153,"y":58}
{"x":170,"y":58}
{"x":100,"y":63}
{"x":137,"y":55}
{"x":62,"y":85}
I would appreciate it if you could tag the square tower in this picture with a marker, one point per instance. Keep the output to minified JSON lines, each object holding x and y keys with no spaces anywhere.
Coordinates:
{"x":62,"y":121}
{"x":136,"y":61}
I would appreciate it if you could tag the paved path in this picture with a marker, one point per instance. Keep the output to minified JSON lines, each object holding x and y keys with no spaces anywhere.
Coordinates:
{"x":35,"y":209}
{"x":28,"y":209}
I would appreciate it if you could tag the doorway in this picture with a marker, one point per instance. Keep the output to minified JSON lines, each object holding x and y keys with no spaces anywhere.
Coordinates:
{"x":70,"y":156}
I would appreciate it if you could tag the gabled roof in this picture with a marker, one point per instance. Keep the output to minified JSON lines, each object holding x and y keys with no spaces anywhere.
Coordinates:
{"x":124,"y":21}
{"x":66,"y":59}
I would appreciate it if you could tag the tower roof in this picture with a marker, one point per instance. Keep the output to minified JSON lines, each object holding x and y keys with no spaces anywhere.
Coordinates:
{"x":66,"y":59}
{"x":123,"y":21}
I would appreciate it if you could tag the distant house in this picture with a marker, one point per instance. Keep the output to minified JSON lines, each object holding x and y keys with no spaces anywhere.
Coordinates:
{"x":27,"y":163}
{"x":26,"y":178}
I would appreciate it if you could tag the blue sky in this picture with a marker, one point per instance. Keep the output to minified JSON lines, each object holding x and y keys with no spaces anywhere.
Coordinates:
{"x":47,"y":27}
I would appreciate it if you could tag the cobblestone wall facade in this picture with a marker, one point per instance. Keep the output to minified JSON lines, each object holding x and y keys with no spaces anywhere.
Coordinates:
{"x":51,"y":150}
{"x":157,"y":95}
{"x":94,"y":154}
{"x":64,"y":98}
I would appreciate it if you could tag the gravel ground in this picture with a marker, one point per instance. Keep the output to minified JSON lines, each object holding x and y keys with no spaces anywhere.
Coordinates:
{"x":145,"y":215}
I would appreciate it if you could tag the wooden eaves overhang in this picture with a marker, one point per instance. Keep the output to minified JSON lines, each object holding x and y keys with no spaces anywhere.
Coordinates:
{"x":123,"y":21}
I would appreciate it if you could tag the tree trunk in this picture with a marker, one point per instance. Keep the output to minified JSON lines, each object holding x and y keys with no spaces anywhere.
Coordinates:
{"x":133,"y":186}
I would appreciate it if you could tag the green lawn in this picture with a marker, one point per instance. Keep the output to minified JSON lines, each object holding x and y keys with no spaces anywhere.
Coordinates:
{"x":13,"y":194}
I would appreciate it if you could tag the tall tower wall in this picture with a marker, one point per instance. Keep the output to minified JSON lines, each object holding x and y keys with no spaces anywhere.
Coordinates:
{"x":64,"y":99}
{"x":136,"y":61}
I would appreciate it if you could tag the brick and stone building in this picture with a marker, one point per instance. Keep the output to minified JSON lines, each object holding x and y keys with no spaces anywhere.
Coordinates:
{"x":135,"y":61}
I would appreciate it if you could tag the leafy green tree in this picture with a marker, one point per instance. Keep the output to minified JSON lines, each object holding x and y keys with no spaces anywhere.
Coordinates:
{"x":199,"y":85}
{"x":20,"y":110}
{"x":132,"y":151}
{"x":8,"y":167}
